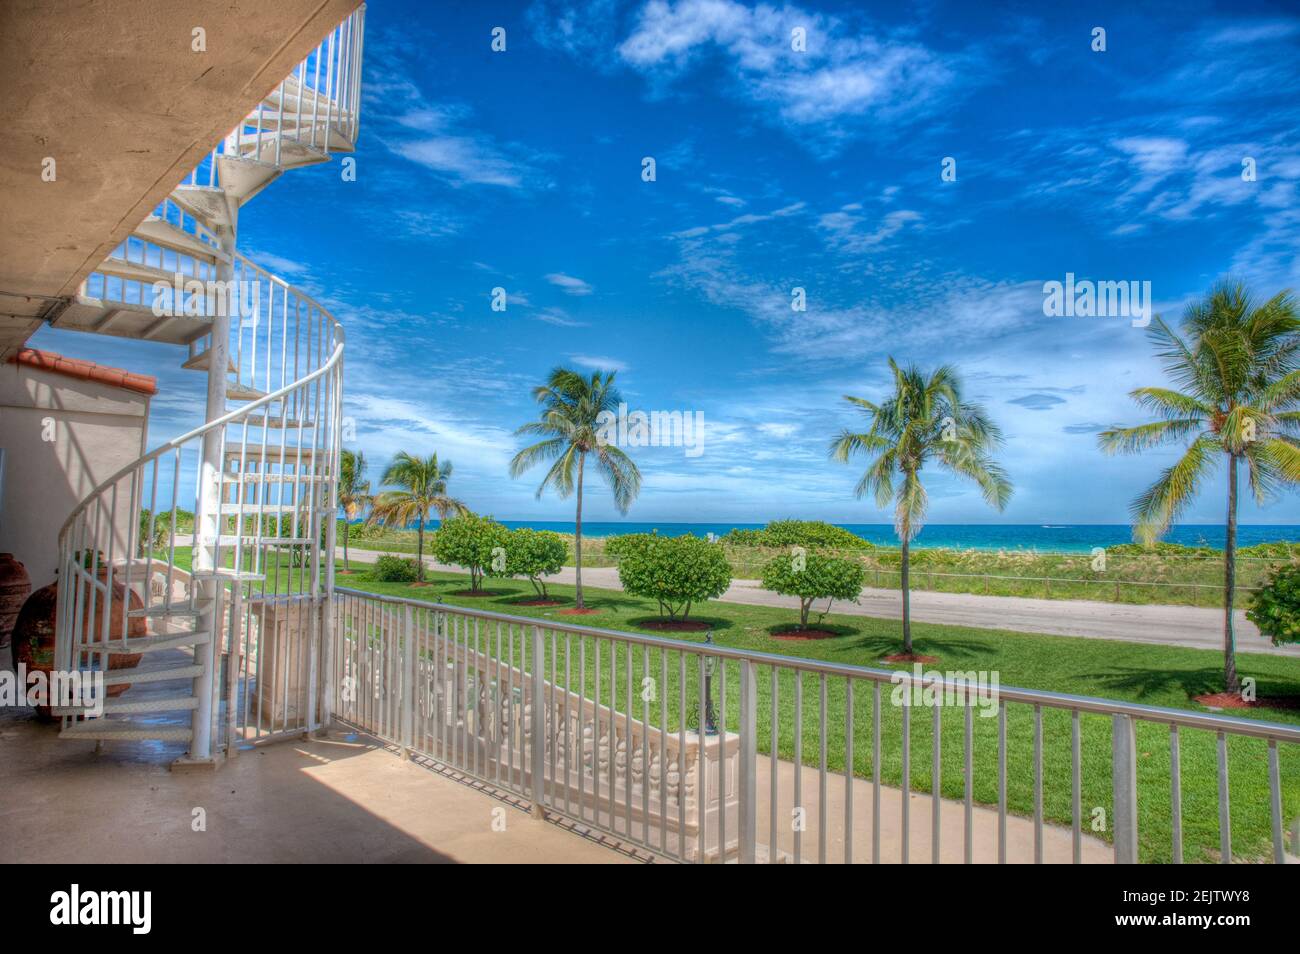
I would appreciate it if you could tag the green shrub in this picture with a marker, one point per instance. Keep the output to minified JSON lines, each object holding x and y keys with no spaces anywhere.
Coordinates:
{"x":394,"y":569}
{"x":813,"y":534}
{"x":676,"y":572}
{"x":534,"y":553}
{"x":479,"y":544}
{"x":1275,"y":608}
{"x":1278,"y":550}
{"x":619,"y":545}
{"x":812,"y":577}
{"x":1162,"y":549}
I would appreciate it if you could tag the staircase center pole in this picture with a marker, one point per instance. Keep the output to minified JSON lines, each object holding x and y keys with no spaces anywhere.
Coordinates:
{"x":207,"y":528}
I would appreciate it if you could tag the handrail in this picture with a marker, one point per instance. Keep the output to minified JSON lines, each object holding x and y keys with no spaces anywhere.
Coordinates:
{"x":176,"y":442}
{"x":1211,"y":721}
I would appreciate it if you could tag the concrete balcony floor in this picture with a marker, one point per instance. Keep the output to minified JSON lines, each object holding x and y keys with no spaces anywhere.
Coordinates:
{"x":324,"y":800}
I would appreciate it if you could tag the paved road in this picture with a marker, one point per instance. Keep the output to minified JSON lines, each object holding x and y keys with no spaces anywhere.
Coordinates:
{"x":1192,"y":626}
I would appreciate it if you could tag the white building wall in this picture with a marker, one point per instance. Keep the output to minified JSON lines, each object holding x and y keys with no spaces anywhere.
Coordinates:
{"x":97,"y":429}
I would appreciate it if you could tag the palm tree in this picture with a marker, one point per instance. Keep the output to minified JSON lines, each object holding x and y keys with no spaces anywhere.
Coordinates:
{"x":573,"y":409}
{"x":1238,"y":394}
{"x":423,"y":483}
{"x":923,"y":419}
{"x":354,"y":493}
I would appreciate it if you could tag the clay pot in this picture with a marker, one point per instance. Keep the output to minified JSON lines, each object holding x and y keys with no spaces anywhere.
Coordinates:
{"x":34,"y":632}
{"x":15,"y":586}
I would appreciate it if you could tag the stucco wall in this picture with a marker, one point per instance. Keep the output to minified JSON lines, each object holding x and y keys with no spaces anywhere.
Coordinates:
{"x":97,"y":430}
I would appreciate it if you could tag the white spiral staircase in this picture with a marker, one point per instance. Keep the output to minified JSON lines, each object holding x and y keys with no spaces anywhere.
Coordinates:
{"x":260,"y":476}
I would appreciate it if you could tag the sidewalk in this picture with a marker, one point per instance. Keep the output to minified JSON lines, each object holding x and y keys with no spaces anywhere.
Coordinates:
{"x":1193,"y":627}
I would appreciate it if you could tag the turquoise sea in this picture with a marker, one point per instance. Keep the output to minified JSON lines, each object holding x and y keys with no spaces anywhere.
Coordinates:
{"x":1053,"y":538}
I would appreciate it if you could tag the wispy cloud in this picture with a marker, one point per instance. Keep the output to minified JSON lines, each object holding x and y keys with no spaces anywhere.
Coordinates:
{"x":598,"y":362}
{"x":569,"y":284}
{"x":826,"y":89}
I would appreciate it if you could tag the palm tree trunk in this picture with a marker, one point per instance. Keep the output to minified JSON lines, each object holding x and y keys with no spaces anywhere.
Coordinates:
{"x":907,"y":595}
{"x":1230,"y":679}
{"x":577,"y":538}
{"x":419,"y":549}
{"x":346,"y":568}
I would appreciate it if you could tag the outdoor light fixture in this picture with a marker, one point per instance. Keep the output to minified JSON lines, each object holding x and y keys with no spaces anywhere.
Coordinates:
{"x":710,"y":717}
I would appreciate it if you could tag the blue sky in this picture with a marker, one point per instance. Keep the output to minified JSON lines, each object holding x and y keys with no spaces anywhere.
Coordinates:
{"x":775,"y":169}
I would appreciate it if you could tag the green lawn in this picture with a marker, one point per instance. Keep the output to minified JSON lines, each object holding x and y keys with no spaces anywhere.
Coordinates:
{"x":1127,"y":671}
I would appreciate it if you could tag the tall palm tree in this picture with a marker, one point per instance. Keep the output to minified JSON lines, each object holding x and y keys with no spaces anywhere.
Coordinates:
{"x":572,"y":412}
{"x":354,"y":493}
{"x":923,"y":419}
{"x":423,"y":487}
{"x":1238,"y":394}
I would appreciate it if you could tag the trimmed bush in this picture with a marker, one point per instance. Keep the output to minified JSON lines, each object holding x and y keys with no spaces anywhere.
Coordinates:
{"x":394,"y":569}
{"x":812,"y":577}
{"x":1275,"y":608}
{"x":617,"y":546}
{"x":478,"y":544}
{"x":676,"y":572}
{"x":798,"y":533}
{"x":534,"y":553}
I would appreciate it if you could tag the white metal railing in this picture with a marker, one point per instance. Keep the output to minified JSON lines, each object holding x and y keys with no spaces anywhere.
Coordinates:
{"x":264,"y":475}
{"x":274,"y":512}
{"x":614,"y":746}
{"x":317,"y":106}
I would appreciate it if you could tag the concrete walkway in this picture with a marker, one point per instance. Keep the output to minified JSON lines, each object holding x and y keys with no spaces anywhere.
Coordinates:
{"x":1193,"y":627}
{"x":323,"y":801}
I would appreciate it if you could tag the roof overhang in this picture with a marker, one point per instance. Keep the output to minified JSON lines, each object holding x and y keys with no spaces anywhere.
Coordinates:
{"x":117,"y":96}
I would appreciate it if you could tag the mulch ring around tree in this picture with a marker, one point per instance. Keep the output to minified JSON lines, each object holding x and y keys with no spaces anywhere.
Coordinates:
{"x":1233,"y":700}
{"x":478,"y":593}
{"x":910,"y":658}
{"x":537,"y":601}
{"x":673,"y":625}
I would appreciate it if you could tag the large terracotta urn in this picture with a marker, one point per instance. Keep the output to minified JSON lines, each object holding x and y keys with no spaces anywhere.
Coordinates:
{"x":33,"y":635}
{"x":15,"y":587}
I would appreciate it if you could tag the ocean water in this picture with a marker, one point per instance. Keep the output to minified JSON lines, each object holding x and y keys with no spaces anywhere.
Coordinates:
{"x":1052,"y":538}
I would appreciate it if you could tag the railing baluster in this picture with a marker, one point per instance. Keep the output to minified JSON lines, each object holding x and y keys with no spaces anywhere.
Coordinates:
{"x":538,"y":737}
{"x":968,"y":846}
{"x":800,"y":815}
{"x":1038,"y":785}
{"x":848,"y":771}
{"x":936,"y":769}
{"x":747,"y":795}
{"x":681,"y":755}
{"x":875,"y":773}
{"x":822,"y":779}
{"x":1076,"y":782}
{"x":1124,"y":788}
{"x":1275,"y":802}
{"x":1002,"y":783}
{"x":1225,"y":808}
{"x":1175,"y":794}
{"x":906,"y":788}
{"x":774,"y":718}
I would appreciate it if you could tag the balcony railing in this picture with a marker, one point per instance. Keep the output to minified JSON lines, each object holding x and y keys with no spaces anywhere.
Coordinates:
{"x":602,"y":728}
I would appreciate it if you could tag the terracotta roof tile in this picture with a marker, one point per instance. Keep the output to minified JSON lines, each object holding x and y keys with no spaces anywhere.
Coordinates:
{"x":86,"y":370}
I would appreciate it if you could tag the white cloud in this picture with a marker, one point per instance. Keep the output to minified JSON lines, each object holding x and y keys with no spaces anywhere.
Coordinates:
{"x":842,"y":74}
{"x":844,"y":234}
{"x":464,"y":159}
{"x":570,"y":285}
{"x":598,"y":362}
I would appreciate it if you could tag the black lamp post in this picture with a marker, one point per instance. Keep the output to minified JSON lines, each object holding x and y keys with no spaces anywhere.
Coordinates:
{"x":710,"y":717}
